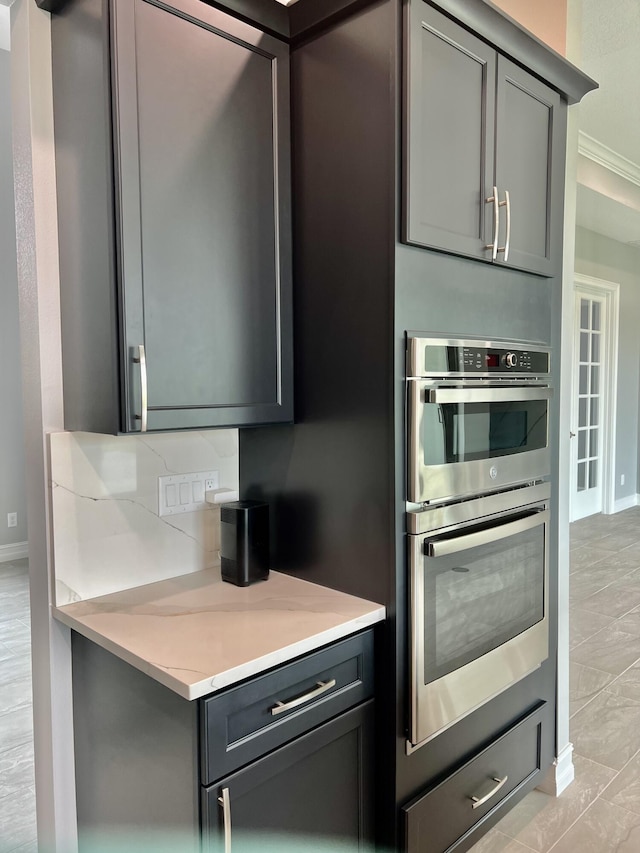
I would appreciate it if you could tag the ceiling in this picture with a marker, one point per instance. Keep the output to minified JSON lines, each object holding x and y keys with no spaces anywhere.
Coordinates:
{"x":610,"y":53}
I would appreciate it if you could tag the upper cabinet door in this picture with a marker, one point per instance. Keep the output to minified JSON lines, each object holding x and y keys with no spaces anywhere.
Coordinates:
{"x":476,"y":123}
{"x":527,"y":141}
{"x":450,"y":80}
{"x":202,"y":173}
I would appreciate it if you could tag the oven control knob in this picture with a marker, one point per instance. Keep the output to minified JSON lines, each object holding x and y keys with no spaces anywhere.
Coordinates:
{"x":511,"y":359}
{"x":493,"y":472}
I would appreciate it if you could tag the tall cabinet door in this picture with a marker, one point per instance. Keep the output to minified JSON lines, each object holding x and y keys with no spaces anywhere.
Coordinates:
{"x":450,"y":108}
{"x":201,"y":140}
{"x":527,"y":152}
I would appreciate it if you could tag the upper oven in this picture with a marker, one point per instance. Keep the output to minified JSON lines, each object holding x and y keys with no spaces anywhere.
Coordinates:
{"x":478,"y":416}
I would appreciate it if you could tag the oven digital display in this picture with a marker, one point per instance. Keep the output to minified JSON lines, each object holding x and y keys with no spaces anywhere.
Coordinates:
{"x":441,"y":360}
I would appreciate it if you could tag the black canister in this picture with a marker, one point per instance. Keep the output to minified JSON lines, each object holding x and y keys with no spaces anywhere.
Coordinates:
{"x":244,"y":542}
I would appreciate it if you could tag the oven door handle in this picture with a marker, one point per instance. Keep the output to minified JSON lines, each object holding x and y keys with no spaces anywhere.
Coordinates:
{"x":488,"y":395}
{"x":444,"y":547}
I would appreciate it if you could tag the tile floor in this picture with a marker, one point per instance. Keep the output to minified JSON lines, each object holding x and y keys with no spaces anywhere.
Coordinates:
{"x":600,"y":811}
{"x":17,"y":794}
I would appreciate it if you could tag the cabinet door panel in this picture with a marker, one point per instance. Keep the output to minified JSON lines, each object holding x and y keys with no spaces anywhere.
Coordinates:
{"x":526,"y":144}
{"x":204,"y":246}
{"x":319,"y":786}
{"x":450,"y":135}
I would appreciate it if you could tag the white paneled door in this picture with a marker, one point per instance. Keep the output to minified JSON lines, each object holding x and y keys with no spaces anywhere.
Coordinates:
{"x":592,"y":433}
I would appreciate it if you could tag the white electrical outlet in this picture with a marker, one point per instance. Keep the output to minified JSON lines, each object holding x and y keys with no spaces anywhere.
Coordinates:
{"x":12,"y":519}
{"x":622,"y":479}
{"x":180,"y":493}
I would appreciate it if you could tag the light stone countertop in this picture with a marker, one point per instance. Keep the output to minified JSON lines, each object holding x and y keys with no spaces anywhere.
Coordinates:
{"x":197,"y":634}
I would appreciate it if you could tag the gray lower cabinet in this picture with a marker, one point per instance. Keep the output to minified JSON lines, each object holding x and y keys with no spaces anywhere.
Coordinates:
{"x":173,"y":168}
{"x":289,"y":752}
{"x":450,"y":815}
{"x":475,"y":122}
{"x":317,"y":788}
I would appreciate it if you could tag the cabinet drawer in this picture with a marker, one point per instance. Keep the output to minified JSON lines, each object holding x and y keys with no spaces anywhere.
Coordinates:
{"x":437,"y":821}
{"x":248,"y":721}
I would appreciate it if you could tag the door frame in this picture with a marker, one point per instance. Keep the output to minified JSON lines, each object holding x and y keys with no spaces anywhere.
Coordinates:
{"x":609,"y":291}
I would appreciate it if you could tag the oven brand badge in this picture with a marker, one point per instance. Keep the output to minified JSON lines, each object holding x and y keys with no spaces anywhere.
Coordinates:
{"x":493,"y":472}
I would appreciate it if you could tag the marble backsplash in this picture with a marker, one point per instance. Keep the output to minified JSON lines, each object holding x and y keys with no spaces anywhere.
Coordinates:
{"x":107,"y":534}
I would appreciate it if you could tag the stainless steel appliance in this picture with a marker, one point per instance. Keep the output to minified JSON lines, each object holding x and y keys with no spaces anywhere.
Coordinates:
{"x":478,"y":415}
{"x":479,"y":602}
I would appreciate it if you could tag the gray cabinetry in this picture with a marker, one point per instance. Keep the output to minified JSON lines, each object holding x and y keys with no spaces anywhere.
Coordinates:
{"x":476,"y":121}
{"x":529,"y":161}
{"x":294,"y":748}
{"x":195,"y":272}
{"x":320,"y":786}
{"x":245,"y":722}
{"x":449,"y":815}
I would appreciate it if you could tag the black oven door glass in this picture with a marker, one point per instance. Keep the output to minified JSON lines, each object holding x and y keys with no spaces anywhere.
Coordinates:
{"x":462,"y":432}
{"x":479,"y":598}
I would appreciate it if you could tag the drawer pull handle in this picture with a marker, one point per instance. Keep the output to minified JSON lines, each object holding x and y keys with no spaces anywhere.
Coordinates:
{"x":322,"y":687}
{"x":480,"y":801}
{"x":225,"y":802}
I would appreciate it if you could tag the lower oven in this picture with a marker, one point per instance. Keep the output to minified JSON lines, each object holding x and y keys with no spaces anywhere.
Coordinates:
{"x":479,"y":603}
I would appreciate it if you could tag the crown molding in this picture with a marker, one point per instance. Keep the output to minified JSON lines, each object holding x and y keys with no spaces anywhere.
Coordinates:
{"x":607,"y":157}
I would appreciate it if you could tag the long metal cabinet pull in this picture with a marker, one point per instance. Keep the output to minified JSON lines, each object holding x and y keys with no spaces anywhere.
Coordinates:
{"x":144,"y":399}
{"x":480,"y":801}
{"x":225,"y":802}
{"x":322,"y":687}
{"x":496,"y":223}
{"x":443,"y":547}
{"x":506,"y":203}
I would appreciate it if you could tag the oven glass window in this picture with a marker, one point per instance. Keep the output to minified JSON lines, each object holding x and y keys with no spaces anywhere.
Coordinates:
{"x":479,"y":598}
{"x":461,"y":432}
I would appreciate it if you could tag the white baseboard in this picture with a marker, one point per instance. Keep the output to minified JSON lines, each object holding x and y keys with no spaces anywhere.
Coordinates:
{"x":626,"y":503}
{"x":17,"y":551}
{"x":561,"y":773}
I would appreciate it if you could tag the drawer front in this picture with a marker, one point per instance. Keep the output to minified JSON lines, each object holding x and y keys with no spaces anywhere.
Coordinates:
{"x":245,"y":722}
{"x":438,"y":820}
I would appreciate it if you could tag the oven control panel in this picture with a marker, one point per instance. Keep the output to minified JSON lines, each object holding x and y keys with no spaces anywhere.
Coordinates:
{"x":480,"y":360}
{"x":431,"y":357}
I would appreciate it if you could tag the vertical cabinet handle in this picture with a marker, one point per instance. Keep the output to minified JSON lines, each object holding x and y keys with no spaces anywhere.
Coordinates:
{"x":225,"y":802}
{"x":506,"y":203}
{"x":141,"y":359}
{"x":496,"y":223}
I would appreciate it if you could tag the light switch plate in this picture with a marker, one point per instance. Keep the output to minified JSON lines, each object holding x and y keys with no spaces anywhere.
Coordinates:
{"x":180,"y":493}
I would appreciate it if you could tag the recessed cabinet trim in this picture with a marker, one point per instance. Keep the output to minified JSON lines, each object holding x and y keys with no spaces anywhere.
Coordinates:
{"x":447,"y":816}
{"x":175,"y":216}
{"x":435,"y":198}
{"x":520,"y":155}
{"x":479,"y":160}
{"x":333,"y":763}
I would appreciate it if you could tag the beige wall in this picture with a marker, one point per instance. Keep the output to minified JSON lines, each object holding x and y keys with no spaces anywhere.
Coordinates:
{"x":546,"y":19}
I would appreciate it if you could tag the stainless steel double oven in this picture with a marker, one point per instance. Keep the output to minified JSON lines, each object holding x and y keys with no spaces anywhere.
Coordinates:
{"x":477,"y":522}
